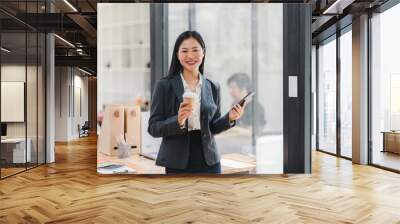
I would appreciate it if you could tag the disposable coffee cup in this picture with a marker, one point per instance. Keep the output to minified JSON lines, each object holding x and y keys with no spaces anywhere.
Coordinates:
{"x":191,"y":98}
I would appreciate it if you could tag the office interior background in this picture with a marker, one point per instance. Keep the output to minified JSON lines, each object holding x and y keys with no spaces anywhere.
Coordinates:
{"x":49,"y":81}
{"x":233,"y":45}
{"x":333,"y":74}
{"x":75,"y":85}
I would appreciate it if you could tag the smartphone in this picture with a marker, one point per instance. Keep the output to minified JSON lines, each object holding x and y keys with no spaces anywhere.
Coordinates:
{"x":241,"y":102}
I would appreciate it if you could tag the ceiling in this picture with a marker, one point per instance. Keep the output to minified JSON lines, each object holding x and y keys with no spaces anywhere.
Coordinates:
{"x":332,"y":15}
{"x":76,"y":22}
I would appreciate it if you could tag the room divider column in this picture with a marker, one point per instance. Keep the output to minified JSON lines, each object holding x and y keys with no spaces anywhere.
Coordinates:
{"x":297,"y":87}
{"x":360,"y":90}
{"x":50,"y":92}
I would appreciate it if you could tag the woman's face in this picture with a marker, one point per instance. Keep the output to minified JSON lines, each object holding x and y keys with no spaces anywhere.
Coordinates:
{"x":190,"y":54}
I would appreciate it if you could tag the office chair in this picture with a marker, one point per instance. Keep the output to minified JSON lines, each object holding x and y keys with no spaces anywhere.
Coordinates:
{"x":84,"y":130}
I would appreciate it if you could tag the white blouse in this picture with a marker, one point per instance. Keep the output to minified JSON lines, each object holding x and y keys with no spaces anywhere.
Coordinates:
{"x":194,"y":119}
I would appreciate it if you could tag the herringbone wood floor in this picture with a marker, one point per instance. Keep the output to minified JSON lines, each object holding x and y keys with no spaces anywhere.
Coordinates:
{"x":70,"y":191}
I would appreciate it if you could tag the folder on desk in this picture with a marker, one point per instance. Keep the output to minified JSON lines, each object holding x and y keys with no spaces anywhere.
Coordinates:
{"x":112,"y":126}
{"x":132,"y":126}
{"x":115,"y":168}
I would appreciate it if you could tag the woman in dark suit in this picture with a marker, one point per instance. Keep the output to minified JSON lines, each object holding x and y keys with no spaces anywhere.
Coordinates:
{"x":187,"y":131}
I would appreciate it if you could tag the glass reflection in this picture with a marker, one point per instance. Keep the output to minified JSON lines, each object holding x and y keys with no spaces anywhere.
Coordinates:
{"x":327,"y":96}
{"x":23,"y":91}
{"x":15,"y":149}
{"x":385,"y":89}
{"x":346,"y":94}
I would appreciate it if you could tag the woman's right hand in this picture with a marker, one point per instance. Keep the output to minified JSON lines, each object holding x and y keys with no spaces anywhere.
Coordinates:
{"x":184,"y":112}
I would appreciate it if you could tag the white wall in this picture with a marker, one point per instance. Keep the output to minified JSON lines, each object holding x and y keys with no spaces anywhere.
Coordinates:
{"x":68,"y":82}
{"x":61,"y":103}
{"x":81,"y":83}
{"x":123,"y":53}
{"x":12,"y":73}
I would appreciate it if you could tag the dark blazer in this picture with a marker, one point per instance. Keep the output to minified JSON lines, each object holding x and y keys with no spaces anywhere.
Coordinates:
{"x":163,"y":122}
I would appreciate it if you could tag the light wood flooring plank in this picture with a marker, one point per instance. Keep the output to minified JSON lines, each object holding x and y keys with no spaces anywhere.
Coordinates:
{"x":70,"y":191}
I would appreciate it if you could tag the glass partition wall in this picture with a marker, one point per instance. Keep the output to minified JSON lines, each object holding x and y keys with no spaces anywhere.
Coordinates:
{"x":346,"y":76}
{"x":385,"y":90}
{"x":327,"y":79}
{"x":334,"y":94}
{"x":13,"y":110}
{"x":334,"y":126}
{"x":22,"y":87}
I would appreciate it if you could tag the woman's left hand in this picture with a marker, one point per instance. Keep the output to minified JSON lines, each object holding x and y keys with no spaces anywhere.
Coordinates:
{"x":236,"y":112}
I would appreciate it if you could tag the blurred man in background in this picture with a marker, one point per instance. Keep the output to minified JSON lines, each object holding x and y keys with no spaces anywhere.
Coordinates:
{"x":239,"y":85}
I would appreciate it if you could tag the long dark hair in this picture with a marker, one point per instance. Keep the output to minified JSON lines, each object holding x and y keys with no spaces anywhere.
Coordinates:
{"x":175,"y":68}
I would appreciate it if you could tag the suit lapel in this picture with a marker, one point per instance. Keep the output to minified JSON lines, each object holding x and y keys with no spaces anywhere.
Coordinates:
{"x":178,"y":87}
{"x":206,"y":92}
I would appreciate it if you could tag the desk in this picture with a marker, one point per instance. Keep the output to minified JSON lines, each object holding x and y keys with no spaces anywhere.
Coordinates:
{"x":13,"y":150}
{"x":230,"y":163}
{"x":391,"y":141}
{"x":237,"y":163}
{"x":236,"y":140}
{"x":141,"y":164}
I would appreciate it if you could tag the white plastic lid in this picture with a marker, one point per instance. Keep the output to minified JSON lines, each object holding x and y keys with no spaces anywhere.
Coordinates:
{"x":189,"y":95}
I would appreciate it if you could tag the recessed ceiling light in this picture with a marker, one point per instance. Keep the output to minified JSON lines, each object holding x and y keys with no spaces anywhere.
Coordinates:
{"x":84,"y":71}
{"x":70,"y":5}
{"x":64,"y":40}
{"x":337,"y":7}
{"x":5,"y":50}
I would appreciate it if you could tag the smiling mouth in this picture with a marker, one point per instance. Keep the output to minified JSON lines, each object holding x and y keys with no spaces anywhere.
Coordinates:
{"x":191,"y":62}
